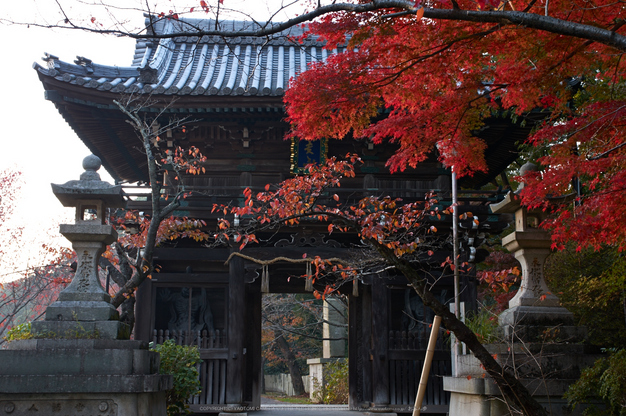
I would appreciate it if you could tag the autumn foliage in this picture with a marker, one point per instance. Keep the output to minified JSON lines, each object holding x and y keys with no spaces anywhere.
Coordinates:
{"x":405,"y":230}
{"x":499,"y":278}
{"x":429,"y":83}
{"x":26,"y":299}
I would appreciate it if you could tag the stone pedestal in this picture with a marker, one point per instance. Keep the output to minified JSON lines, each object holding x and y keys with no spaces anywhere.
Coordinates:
{"x":547,"y":371}
{"x":316,"y":375}
{"x":81,"y":377}
{"x":83,"y":308}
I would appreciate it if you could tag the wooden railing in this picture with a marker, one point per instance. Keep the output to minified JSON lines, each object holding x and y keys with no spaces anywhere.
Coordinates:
{"x":213,"y":348}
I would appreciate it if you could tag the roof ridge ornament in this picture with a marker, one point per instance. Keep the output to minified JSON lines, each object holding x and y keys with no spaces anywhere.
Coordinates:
{"x":51,"y":60}
{"x":148,"y":75}
{"x":84,"y":62}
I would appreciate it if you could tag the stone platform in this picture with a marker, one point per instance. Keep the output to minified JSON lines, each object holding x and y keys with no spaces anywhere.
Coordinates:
{"x":81,"y":377}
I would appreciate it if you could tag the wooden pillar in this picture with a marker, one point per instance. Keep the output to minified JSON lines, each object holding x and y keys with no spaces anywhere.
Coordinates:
{"x":254,"y":368}
{"x":359,"y":350}
{"x":235,"y":366}
{"x":380,"y":343}
{"x":354,"y":369}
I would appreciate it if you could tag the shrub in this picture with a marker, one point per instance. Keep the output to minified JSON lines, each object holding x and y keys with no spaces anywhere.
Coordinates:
{"x":605,"y":380}
{"x":334,"y":390}
{"x":484,"y":324}
{"x":18,"y":332}
{"x":24,"y":331}
{"x":179,"y":361}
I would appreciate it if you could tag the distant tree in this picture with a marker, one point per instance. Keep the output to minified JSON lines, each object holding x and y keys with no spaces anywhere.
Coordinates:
{"x":25,"y":291}
{"x":292,"y":332}
{"x":10,"y":232}
{"x":10,"y":184}
{"x":25,"y":299}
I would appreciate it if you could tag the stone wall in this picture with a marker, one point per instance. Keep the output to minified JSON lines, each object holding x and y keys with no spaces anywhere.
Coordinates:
{"x":281,"y":383}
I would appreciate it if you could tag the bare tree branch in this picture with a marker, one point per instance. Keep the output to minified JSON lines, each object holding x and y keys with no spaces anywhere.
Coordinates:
{"x":501,"y":17}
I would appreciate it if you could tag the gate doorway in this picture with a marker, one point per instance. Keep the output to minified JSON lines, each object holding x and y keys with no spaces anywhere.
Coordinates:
{"x":219,"y":309}
{"x":306,"y":339}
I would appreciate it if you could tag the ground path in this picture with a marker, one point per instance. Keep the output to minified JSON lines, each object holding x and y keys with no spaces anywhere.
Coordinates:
{"x":282,"y":409}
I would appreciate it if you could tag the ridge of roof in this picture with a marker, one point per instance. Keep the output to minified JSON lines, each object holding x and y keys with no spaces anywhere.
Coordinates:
{"x":194,"y":65}
{"x":165,"y":25}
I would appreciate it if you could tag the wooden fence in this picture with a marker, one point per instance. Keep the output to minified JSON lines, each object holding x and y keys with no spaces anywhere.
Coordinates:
{"x":406,"y":360}
{"x":213,"y":350}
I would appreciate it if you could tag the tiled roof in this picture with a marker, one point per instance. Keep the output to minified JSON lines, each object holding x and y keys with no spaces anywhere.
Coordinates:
{"x":191,"y":65}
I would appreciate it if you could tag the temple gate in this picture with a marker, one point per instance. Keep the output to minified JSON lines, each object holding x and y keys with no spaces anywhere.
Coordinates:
{"x":230,"y":95}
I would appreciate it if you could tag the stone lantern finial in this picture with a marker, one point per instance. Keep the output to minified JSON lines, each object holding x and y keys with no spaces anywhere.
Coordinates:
{"x":91,"y":164}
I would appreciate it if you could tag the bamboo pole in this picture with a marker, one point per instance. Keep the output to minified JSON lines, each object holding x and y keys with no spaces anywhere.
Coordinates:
{"x":430,"y":351}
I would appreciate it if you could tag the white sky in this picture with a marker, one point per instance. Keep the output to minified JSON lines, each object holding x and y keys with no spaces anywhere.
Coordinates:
{"x":35,"y":138}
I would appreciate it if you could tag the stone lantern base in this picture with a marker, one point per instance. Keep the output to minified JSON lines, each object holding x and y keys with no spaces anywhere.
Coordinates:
{"x":546,"y":369}
{"x":81,"y":377}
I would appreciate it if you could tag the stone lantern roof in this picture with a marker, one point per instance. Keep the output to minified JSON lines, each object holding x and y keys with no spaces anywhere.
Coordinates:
{"x":89,"y":186}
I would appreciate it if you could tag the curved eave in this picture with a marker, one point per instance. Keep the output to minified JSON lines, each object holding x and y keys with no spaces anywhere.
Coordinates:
{"x":197,"y":68}
{"x":102,"y":127}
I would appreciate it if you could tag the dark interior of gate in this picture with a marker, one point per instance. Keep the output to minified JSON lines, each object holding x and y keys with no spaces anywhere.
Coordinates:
{"x":237,"y":121}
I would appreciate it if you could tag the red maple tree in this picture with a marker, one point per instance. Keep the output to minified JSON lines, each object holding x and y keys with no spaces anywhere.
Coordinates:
{"x":25,"y":291}
{"x":436,"y":79}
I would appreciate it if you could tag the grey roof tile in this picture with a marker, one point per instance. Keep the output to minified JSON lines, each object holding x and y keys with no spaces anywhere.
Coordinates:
{"x":190,"y":65}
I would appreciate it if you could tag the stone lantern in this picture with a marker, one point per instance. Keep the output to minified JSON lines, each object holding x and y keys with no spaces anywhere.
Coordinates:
{"x":533,"y":320}
{"x":84,"y":305}
{"x":80,"y":361}
{"x":533,"y":304}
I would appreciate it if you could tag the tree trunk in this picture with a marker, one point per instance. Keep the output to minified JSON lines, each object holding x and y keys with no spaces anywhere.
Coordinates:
{"x":294,"y":370}
{"x":128,"y":313}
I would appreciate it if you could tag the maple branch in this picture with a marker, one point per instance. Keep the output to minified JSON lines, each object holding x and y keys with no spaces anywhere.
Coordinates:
{"x":584,"y":45}
{"x":414,"y":61}
{"x":504,"y":17}
{"x":529,"y":6}
{"x":606,"y":153}
{"x":533,"y":21}
{"x":589,"y":124}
